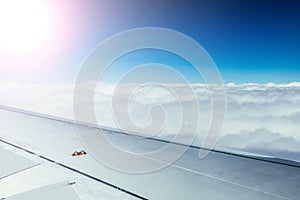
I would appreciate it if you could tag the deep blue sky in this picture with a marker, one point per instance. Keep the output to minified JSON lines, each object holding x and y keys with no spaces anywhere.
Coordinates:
{"x":250,"y":41}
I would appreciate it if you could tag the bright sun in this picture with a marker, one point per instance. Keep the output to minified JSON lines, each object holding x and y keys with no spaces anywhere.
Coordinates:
{"x":24,"y":25}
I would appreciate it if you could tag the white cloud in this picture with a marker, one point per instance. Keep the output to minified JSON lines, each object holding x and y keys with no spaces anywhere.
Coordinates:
{"x":259,"y":116}
{"x":50,"y":99}
{"x":263,"y":141}
{"x":270,"y":106}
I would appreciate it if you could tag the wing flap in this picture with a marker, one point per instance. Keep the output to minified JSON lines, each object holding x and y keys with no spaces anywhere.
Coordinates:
{"x":55,"y":191}
{"x":12,"y":163}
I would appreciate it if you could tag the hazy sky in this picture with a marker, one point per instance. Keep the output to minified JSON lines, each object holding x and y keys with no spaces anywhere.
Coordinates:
{"x":250,"y":41}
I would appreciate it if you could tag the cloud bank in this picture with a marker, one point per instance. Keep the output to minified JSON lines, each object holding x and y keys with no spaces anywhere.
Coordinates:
{"x":260,"y":118}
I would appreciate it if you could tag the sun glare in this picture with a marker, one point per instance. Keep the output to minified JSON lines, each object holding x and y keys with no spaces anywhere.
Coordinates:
{"x":24,"y":25}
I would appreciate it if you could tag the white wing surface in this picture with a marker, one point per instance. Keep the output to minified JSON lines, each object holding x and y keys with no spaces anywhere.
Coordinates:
{"x":36,"y":163}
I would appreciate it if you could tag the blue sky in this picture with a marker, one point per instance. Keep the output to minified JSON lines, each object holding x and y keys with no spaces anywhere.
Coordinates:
{"x":45,"y":43}
{"x":250,"y":41}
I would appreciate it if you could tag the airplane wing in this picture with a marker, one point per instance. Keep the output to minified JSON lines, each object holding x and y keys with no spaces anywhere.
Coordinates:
{"x":36,"y":162}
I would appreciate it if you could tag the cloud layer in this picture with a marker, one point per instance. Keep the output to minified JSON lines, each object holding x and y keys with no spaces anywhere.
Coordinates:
{"x":260,"y":118}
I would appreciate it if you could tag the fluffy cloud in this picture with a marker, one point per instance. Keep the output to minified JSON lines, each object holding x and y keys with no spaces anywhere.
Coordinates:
{"x":263,"y":141}
{"x":270,"y":106}
{"x":260,"y":118}
{"x":55,"y":99}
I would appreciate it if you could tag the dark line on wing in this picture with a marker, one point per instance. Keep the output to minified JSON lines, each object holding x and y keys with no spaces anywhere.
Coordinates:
{"x":87,"y":125}
{"x":21,"y":170}
{"x":77,"y":171}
